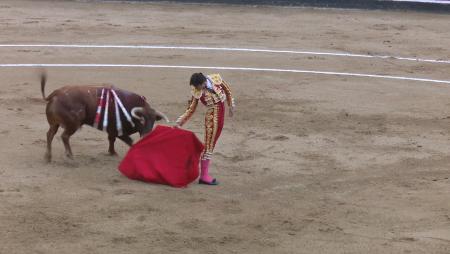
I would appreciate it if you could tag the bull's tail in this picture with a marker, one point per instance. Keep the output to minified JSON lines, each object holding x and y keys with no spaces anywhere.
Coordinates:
{"x":43,"y":81}
{"x":161,"y":115}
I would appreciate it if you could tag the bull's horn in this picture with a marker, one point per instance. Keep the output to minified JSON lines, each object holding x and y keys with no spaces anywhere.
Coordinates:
{"x":162,"y":115}
{"x":136,"y":110}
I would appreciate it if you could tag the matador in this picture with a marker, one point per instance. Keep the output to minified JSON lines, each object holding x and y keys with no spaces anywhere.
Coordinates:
{"x":212,"y":91}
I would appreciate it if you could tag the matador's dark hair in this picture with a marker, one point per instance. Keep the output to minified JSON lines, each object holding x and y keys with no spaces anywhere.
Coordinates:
{"x":197,"y":79}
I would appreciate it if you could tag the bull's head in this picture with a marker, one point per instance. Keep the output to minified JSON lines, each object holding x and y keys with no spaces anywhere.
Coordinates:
{"x":147,"y":117}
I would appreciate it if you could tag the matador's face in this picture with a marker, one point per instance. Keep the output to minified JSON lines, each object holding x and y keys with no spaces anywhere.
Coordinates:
{"x":201,"y":86}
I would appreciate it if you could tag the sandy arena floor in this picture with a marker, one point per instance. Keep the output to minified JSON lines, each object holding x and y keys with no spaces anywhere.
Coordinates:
{"x":310,"y":163}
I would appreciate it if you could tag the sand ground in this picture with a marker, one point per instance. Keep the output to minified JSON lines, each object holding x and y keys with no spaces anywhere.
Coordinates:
{"x":309,"y":164}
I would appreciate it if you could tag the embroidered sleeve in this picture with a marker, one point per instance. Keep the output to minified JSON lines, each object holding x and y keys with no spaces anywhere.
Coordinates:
{"x":230,"y":99}
{"x":189,"y":111}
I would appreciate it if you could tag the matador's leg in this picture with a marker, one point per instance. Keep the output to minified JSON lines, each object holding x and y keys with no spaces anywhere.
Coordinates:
{"x":213,"y":127}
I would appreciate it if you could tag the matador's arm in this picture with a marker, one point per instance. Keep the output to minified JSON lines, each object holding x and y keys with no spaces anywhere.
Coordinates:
{"x":189,"y":112}
{"x":227,"y":90}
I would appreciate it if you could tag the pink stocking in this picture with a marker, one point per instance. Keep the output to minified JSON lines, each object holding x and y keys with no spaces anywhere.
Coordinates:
{"x":204,"y":171}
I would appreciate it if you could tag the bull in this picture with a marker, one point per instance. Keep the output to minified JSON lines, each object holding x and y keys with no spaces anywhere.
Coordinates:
{"x":70,"y":107}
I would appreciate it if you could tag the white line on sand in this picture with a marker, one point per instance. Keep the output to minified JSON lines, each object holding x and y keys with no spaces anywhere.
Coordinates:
{"x":341,"y":54}
{"x":228,"y":68}
{"x":425,"y":1}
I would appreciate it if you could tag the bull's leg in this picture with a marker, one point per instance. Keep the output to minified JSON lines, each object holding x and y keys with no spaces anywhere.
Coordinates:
{"x":111,"y":149}
{"x":127,"y":140}
{"x":65,"y":138}
{"x":50,"y":134}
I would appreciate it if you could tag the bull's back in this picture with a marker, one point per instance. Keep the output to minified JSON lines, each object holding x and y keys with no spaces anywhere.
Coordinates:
{"x":80,"y":103}
{"x":73,"y":103}
{"x":130,"y":99}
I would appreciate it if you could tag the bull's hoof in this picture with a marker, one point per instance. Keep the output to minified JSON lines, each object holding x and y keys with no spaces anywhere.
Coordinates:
{"x":70,"y":156}
{"x":113,"y":154}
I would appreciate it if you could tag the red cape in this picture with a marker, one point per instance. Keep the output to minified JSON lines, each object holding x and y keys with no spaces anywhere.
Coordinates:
{"x":166,"y":156}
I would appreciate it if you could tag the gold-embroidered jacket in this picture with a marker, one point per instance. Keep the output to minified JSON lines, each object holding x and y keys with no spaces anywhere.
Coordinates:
{"x":209,"y":97}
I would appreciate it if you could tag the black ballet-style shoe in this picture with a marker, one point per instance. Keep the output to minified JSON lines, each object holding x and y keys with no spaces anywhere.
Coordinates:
{"x":214,"y":182}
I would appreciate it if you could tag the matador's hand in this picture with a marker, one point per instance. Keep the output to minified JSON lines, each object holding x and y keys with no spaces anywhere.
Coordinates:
{"x":231,"y":111}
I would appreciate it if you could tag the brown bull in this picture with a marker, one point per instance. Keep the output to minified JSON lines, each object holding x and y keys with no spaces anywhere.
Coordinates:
{"x":73,"y":106}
